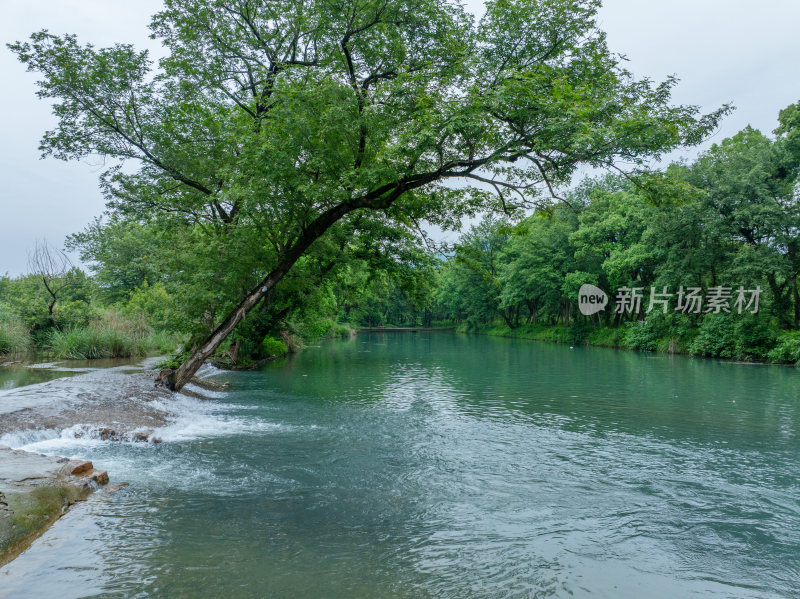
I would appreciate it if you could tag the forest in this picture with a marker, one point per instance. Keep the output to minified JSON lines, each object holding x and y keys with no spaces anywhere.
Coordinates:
{"x":729,"y":219}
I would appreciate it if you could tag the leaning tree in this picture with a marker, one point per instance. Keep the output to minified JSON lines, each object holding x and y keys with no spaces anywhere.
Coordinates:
{"x":287,"y":118}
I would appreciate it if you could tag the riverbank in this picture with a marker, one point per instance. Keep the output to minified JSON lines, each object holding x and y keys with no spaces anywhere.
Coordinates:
{"x":771,"y":348}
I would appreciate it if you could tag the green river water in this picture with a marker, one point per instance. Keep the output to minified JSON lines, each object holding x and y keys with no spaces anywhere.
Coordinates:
{"x":442,"y":465}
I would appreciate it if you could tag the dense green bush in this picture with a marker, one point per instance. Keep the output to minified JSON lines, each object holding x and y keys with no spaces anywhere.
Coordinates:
{"x":607,"y":337}
{"x":740,"y":336}
{"x":755,"y":336}
{"x":154,"y":303}
{"x":95,"y":341}
{"x":73,"y":314}
{"x":787,"y":348}
{"x":113,"y":335}
{"x":578,"y":332}
{"x":318,"y":328}
{"x":715,"y":337}
{"x":274,"y":347}
{"x":642,"y":335}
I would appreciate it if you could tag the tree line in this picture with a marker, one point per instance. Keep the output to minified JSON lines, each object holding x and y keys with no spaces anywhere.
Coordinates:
{"x":728,"y":220}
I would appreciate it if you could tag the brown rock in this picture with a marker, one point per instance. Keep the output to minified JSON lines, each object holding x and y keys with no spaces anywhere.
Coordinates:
{"x":140,"y":437}
{"x":156,"y":439}
{"x":78,"y":466}
{"x":106,"y":433}
{"x":100,"y":477}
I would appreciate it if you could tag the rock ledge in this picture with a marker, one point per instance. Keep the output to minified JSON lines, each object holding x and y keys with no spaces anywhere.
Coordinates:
{"x":35,"y":490}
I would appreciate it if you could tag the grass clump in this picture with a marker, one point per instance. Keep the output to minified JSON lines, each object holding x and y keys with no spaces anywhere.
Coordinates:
{"x":15,"y":338}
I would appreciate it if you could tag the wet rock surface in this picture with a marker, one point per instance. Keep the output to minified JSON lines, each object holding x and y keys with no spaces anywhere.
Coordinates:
{"x":110,"y":404}
{"x":35,"y":490}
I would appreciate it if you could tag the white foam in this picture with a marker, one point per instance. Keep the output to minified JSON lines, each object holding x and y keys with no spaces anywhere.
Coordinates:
{"x":197,"y":419}
{"x":53,"y":441}
{"x":189,"y":418}
{"x":208,"y":370}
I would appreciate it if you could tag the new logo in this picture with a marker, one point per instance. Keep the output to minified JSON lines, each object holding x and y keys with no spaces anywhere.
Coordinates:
{"x":591,"y":299}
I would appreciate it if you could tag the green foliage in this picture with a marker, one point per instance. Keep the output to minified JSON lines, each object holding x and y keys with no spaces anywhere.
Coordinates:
{"x":787,"y":348}
{"x":608,"y":337}
{"x":305,"y":185}
{"x":154,"y":303}
{"x":74,"y":314}
{"x":111,"y":336}
{"x":730,"y":219}
{"x":261,"y":157}
{"x":755,"y":337}
{"x":537,"y":332}
{"x":122,"y":255}
{"x":726,"y":336}
{"x":641,"y":335}
{"x":27,"y":296}
{"x":715,"y":338}
{"x":14,"y":335}
{"x":93,"y":342}
{"x":274,"y":347}
{"x":578,"y":332}
{"x":320,"y":328}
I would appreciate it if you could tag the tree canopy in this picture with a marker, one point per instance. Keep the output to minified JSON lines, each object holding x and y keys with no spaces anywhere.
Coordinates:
{"x":269,"y":125}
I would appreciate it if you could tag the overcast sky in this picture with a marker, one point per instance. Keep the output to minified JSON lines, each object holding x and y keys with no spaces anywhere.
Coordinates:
{"x":723,"y":51}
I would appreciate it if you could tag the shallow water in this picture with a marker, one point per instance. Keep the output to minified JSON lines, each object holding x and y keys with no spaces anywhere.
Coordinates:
{"x":19,"y":375}
{"x":439,"y":465}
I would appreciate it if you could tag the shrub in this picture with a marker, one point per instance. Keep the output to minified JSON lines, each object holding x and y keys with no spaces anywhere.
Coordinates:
{"x":578,"y":332}
{"x":716,"y":337}
{"x":93,"y":342}
{"x":755,"y":337}
{"x":113,"y":335}
{"x":274,"y":347}
{"x":608,"y":337}
{"x":73,"y":314}
{"x":787,"y":349}
{"x":317,"y":328}
{"x":163,"y":342}
{"x":749,"y":336}
{"x":642,"y":335}
{"x":153,"y":303}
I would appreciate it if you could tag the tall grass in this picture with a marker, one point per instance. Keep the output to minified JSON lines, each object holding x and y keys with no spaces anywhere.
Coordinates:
{"x":112,"y":336}
{"x":14,"y":335}
{"x":94,"y":342}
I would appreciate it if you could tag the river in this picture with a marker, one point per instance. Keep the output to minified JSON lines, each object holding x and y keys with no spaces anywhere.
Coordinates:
{"x":444,"y":465}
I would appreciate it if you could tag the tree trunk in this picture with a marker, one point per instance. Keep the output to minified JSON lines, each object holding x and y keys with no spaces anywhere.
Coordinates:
{"x":507,"y":319}
{"x":176,"y":379}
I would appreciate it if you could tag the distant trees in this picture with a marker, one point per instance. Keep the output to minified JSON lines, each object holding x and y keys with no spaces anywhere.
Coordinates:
{"x":732,"y":218}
